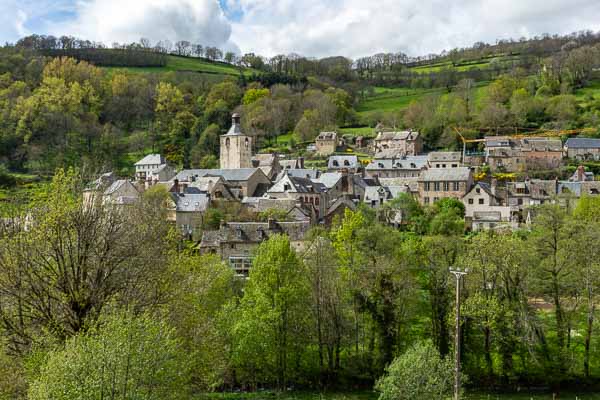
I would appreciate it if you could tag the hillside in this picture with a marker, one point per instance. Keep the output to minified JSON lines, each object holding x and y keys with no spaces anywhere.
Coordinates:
{"x":192,"y":64}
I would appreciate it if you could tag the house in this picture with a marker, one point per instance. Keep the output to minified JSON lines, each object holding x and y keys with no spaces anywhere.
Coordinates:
{"x":186,"y":209}
{"x":120,"y":192}
{"x":581,"y":175}
{"x":299,"y":173}
{"x":337,"y":210}
{"x":402,"y":167}
{"x":336,"y":184}
{"x":438,"y":183}
{"x":542,"y":153}
{"x":348,"y":163}
{"x":583,"y":149}
{"x":148,"y":164}
{"x":236,"y":242}
{"x":444,"y":159}
{"x":163,"y":173}
{"x":293,"y":210}
{"x":326,"y":143}
{"x":303,"y":190}
{"x":236,"y":147}
{"x":294,"y":163}
{"x":376,"y":196}
{"x":215,"y":186}
{"x":485,"y":209}
{"x":241,"y":182}
{"x":503,"y":154}
{"x":517,"y":155}
{"x":401,"y":143}
{"x":268,"y":163}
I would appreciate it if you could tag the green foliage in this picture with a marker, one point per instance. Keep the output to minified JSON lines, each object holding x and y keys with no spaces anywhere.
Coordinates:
{"x":125,"y":357}
{"x":420,"y":373}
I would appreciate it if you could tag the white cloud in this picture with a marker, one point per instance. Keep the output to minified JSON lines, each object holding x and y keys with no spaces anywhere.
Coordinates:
{"x":356,"y":28}
{"x":125,"y":21}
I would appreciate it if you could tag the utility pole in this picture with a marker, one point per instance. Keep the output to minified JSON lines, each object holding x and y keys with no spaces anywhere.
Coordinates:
{"x":458,"y":273}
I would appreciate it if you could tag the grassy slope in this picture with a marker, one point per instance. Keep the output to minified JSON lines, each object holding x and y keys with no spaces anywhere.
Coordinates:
{"x":190,"y":64}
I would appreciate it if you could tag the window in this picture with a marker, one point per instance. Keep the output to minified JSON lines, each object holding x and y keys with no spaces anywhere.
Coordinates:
{"x":454,"y":165}
{"x":446,"y":186}
{"x":455,"y":186}
{"x":241,"y":265}
{"x":436,"y":186}
{"x":247,"y":142}
{"x":478,"y":190}
{"x":481,"y":201}
{"x":520,"y":202}
{"x":443,"y":165}
{"x":346,"y":163}
{"x":227,"y":142}
{"x":470,"y":201}
{"x":426,"y":200}
{"x":316,"y":201}
{"x":336,"y":163}
{"x":287,"y":186}
{"x":427,"y":186}
{"x":435,"y":199}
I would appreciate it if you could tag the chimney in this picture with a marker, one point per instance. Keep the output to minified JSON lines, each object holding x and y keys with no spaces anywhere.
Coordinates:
{"x":176,"y":185}
{"x":301,"y":162}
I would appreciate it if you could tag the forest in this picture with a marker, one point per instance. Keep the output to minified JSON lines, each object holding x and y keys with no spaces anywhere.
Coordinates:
{"x":97,"y":299}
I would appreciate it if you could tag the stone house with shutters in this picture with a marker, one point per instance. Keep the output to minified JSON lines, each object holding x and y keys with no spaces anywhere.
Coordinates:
{"x":326,"y":143}
{"x":236,"y":242}
{"x":403,"y":143}
{"x":486,"y":209}
{"x":402,"y":167}
{"x":444,"y":159}
{"x":583,"y":149}
{"x":439,"y":183}
{"x":241,"y":182}
{"x":152,"y":163}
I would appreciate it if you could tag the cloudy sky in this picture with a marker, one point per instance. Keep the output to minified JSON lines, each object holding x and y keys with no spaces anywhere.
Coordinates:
{"x":317,"y":28}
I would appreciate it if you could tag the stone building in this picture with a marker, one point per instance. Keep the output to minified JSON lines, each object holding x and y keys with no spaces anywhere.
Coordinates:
{"x":148,"y":164}
{"x":326,"y":143}
{"x":402,"y":167}
{"x":583,"y":149}
{"x":439,"y":183}
{"x":486,"y":209}
{"x":444,"y":159}
{"x":407,"y":143}
{"x":235,"y":242}
{"x":236,"y":148}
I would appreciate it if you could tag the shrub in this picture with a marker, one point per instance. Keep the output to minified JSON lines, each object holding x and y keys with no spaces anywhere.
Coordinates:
{"x":420,"y":373}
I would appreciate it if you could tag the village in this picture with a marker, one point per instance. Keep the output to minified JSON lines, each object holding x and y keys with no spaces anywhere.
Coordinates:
{"x":272,"y":194}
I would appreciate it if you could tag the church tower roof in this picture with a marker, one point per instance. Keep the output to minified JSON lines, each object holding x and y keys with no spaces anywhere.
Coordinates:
{"x":235,"y":129}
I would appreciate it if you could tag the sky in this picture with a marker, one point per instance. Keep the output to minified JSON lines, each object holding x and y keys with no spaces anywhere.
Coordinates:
{"x":315,"y":28}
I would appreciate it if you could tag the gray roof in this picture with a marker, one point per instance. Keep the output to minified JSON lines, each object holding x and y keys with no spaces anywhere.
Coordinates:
{"x":116,"y":185}
{"x":583,"y":143}
{"x":191,"y":202}
{"x":407,"y":162}
{"x":444,"y":156}
{"x":343,"y":162}
{"x":327,"y":136}
{"x":329,"y":179}
{"x":151,"y":159}
{"x":541,"y":144}
{"x":446,"y":174}
{"x":299,"y":173}
{"x":237,"y":174}
{"x":235,"y":129}
{"x":402,"y":135}
{"x":498,"y":141}
{"x":254,"y":232}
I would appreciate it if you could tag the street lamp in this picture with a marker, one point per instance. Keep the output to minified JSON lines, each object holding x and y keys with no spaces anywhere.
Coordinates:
{"x":458,"y":273}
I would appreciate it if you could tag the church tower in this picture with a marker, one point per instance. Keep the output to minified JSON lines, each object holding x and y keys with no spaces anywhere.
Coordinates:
{"x":236,"y":148}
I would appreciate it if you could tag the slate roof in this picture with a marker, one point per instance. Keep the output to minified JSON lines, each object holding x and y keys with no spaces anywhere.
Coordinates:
{"x":343,"y":162}
{"x":498,"y":141}
{"x":445,"y":174}
{"x":235,"y":129}
{"x":237,"y":174}
{"x":444,"y":156}
{"x":191,"y":202}
{"x":116,"y":185}
{"x":541,"y":144}
{"x":299,"y":173}
{"x":402,"y":135}
{"x":329,"y":179}
{"x":407,"y":162}
{"x":253,"y":232}
{"x":327,"y":136}
{"x":151,"y":159}
{"x":582,"y":143}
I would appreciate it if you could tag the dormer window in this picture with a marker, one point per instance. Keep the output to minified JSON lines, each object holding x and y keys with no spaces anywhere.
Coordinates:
{"x":287,"y":186}
{"x":346,"y":163}
{"x":380,"y":165}
{"x":335,"y":163}
{"x":413,"y":165}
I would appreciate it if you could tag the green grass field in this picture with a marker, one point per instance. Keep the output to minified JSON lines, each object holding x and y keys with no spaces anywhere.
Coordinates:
{"x":467,"y":65}
{"x":189,"y":64}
